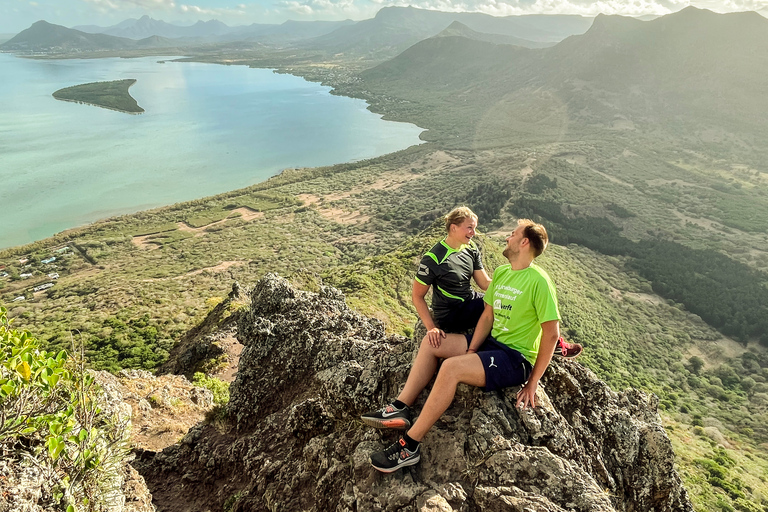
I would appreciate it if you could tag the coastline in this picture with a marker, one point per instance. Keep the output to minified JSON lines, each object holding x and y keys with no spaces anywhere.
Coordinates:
{"x":102,"y":106}
{"x":280,"y":173}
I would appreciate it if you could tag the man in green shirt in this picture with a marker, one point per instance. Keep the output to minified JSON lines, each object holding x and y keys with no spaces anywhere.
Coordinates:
{"x":522,"y":318}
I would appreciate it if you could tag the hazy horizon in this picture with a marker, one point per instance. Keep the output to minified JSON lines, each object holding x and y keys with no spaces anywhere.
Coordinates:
{"x":17,"y":16}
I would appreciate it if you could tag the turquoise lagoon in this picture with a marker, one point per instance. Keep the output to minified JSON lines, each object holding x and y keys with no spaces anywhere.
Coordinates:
{"x":207,"y":129}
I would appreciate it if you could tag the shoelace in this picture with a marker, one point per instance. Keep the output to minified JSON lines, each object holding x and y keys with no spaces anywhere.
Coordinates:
{"x":394,"y":451}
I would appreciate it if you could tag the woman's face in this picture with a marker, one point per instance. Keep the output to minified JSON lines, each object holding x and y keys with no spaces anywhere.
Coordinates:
{"x":464,"y":231}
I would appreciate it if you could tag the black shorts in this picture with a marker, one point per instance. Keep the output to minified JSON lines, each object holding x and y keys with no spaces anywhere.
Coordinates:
{"x":463,"y":317}
{"x":504,"y":367}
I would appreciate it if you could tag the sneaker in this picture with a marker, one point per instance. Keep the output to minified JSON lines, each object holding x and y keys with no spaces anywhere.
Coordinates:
{"x":388,"y":416}
{"x":567,"y":350}
{"x":395,"y":457}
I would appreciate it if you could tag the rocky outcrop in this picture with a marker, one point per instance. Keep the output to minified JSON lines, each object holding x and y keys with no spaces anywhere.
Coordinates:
{"x":293,"y":441}
{"x":162,"y":408}
{"x":25,"y":488}
{"x":210,"y":344}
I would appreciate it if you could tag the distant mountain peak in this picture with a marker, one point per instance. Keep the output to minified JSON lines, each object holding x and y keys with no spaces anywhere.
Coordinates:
{"x":608,"y":20}
{"x":456,"y":28}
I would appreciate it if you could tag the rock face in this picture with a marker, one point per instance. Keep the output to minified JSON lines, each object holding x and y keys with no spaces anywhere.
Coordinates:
{"x":293,"y":440}
{"x":212,"y":340}
{"x":162,"y":408}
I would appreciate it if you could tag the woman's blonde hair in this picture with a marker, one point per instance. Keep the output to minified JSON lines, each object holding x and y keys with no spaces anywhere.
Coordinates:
{"x":458,"y":215}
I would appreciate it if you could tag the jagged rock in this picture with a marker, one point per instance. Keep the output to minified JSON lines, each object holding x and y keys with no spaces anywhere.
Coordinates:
{"x":208,"y":344}
{"x":293,"y":440}
{"x":162,"y":408}
{"x":21,"y":487}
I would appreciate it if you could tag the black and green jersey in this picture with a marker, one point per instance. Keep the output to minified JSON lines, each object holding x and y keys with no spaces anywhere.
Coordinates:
{"x":448,"y":271}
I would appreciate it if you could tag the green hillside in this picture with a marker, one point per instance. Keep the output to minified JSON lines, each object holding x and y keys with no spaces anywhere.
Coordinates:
{"x":44,"y":36}
{"x":692,"y":71}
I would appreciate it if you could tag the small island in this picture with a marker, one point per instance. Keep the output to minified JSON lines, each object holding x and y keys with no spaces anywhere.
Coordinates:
{"x":113,"y":95}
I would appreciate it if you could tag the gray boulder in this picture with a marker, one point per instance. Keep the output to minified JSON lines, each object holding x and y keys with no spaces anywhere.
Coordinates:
{"x":293,"y":440}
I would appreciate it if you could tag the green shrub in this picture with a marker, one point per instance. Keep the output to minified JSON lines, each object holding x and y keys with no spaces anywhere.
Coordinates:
{"x":746,"y":506}
{"x":728,"y":487}
{"x":51,"y":412}
{"x":715,"y":470}
{"x":218,"y":387}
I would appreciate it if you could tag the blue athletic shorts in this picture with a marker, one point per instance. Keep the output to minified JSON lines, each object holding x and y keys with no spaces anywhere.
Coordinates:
{"x":504,"y":367}
{"x":464,"y":316}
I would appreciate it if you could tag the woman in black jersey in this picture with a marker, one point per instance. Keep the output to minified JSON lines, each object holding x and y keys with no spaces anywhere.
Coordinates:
{"x":448,"y":268}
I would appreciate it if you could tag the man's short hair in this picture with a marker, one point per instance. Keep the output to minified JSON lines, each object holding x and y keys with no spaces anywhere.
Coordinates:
{"x":458,"y":215}
{"x":536,"y":235}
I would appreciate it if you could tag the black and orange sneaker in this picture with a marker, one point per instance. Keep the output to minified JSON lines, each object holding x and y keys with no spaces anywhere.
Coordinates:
{"x":395,"y":457}
{"x":567,"y":350}
{"x":388,"y":416}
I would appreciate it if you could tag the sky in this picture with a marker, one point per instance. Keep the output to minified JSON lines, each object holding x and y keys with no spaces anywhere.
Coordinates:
{"x":16,"y":15}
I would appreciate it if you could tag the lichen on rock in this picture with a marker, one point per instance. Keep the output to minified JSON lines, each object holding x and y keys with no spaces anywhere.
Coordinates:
{"x":293,"y":441}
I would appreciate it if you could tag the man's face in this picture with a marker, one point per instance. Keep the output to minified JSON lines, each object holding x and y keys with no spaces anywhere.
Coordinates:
{"x":513,"y":243}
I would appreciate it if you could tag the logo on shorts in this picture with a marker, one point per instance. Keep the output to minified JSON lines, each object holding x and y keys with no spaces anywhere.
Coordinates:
{"x":492,"y":365}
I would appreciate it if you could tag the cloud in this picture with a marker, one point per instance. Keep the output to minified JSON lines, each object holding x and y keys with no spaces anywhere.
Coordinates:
{"x":316,"y":8}
{"x":307,"y":7}
{"x":165,"y":5}
{"x":512,"y":7}
{"x":277,"y":10}
{"x":583,"y":7}
{"x":194,"y":9}
{"x":745,"y":5}
{"x":121,"y":5}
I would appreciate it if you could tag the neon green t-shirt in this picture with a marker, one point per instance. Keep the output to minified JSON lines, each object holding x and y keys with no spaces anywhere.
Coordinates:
{"x":522,"y":300}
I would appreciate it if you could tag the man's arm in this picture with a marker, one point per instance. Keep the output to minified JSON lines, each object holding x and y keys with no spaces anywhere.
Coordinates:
{"x":550,"y":331}
{"x":481,"y":278}
{"x":483,"y":329}
{"x":417,"y":296}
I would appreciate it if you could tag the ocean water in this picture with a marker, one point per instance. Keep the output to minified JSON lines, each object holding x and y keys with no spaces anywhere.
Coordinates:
{"x":206,"y":129}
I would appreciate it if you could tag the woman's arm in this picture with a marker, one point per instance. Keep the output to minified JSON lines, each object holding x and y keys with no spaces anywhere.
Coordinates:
{"x":482,"y":330}
{"x":434,"y":333}
{"x":481,"y":278}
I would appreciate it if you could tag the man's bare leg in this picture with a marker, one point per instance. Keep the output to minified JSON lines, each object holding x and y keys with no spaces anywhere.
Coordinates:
{"x":467,"y":369}
{"x":426,"y":363}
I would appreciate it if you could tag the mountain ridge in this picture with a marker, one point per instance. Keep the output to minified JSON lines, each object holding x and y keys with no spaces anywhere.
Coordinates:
{"x":458,"y":29}
{"x":394,"y":29}
{"x":674,"y":66}
{"x":43,"y":35}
